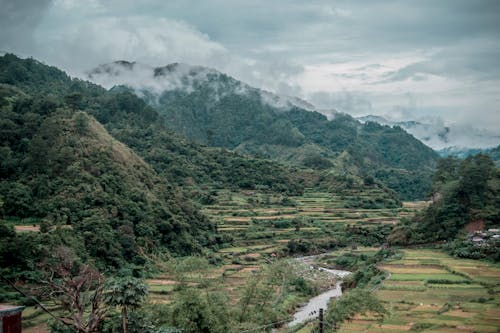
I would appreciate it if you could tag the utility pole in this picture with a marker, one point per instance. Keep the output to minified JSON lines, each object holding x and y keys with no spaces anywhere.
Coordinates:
{"x":320,"y":320}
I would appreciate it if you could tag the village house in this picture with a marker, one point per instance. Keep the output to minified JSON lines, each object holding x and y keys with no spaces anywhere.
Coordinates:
{"x":10,"y":318}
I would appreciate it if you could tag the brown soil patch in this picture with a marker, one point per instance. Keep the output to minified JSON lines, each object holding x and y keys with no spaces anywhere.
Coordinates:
{"x":250,"y":269}
{"x":477,"y":225}
{"x":162,"y":282}
{"x":253,"y":255}
{"x":26,"y":228}
{"x":237,"y":219}
{"x":277,"y":217}
{"x":396,"y":327}
{"x":460,"y":313}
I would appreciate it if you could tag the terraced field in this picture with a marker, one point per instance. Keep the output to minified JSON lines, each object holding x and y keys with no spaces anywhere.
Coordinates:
{"x":261,"y":225}
{"x":254,"y":218}
{"x":429,"y":291}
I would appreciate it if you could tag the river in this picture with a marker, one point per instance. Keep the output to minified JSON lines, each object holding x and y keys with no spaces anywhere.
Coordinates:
{"x":311,"y":309}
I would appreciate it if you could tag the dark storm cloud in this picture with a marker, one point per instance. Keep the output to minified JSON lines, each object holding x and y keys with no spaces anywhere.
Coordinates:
{"x":18,"y":20}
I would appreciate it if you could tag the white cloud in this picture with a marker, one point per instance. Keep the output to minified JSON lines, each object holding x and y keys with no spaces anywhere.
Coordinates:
{"x":154,"y":41}
{"x":356,"y":56}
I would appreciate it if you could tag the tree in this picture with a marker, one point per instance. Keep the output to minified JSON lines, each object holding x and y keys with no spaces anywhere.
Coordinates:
{"x":126,"y":292}
{"x":204,"y":312}
{"x":358,"y":301}
{"x":81,"y":122}
{"x":73,"y":100}
{"x":77,"y":288}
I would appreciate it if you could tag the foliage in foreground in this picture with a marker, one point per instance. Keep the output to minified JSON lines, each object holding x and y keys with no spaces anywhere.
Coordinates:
{"x":466,"y":198}
{"x":356,"y":301}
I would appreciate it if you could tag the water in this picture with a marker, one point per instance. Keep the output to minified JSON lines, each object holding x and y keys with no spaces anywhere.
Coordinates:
{"x":311,"y":309}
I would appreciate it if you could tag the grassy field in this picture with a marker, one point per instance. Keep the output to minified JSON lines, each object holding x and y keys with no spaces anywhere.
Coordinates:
{"x":261,"y":225}
{"x":429,"y":291}
{"x":255,"y":218}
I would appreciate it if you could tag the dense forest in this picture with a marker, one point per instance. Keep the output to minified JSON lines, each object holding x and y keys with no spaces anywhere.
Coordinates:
{"x":466,"y":199}
{"x":117,"y":195}
{"x":220,"y":111}
{"x":104,"y":165}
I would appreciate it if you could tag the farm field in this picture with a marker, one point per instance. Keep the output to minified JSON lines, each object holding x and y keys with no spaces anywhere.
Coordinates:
{"x":254,"y":218}
{"x":261,"y":225}
{"x":429,"y":291}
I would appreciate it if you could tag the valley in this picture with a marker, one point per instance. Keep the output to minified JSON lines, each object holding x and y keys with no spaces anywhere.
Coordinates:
{"x":189,"y":210}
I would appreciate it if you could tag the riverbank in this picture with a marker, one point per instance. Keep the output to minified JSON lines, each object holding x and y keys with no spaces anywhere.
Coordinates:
{"x":311,"y":309}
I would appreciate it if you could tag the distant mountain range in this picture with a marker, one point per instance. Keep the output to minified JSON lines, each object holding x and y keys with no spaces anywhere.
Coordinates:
{"x":460,"y":141}
{"x":215,"y":109}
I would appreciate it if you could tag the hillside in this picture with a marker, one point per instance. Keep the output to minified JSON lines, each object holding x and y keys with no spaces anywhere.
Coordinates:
{"x":140,"y":127}
{"x":61,"y":168}
{"x":466,"y":200}
{"x":218,"y":110}
{"x":103,"y":164}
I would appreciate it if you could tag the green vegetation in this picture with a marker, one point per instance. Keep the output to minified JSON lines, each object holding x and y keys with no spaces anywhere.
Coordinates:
{"x":61,"y":168}
{"x":356,"y":302}
{"x":466,"y":198}
{"x":101,"y":202}
{"x":220,"y":111}
{"x":467,"y":300}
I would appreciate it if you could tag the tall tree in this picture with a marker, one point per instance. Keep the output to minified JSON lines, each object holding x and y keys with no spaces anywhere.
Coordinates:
{"x":126,"y":293}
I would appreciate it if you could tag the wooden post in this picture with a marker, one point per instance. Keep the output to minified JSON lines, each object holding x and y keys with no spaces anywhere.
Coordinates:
{"x":320,"y":320}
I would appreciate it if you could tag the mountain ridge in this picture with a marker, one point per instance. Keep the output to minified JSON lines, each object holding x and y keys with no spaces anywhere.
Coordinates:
{"x":217,"y":110}
{"x":444,"y":139}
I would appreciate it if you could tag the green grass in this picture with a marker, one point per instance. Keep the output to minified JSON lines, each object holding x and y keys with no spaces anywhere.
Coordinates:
{"x":426,"y":277}
{"x":416,"y":305}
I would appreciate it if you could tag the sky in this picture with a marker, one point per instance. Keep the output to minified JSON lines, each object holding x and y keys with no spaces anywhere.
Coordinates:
{"x":423,"y":59}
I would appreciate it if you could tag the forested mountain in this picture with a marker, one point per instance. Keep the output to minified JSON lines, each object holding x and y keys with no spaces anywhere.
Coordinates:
{"x":103,"y":164}
{"x":454,"y":139}
{"x":218,"y":110}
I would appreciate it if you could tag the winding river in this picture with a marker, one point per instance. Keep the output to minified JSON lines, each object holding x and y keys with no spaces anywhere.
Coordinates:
{"x":311,"y":309}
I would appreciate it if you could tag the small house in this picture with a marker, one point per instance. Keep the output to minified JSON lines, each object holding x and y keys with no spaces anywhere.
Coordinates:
{"x":10,"y":318}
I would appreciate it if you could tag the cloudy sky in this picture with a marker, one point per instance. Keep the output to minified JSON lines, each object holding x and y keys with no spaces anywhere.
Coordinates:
{"x":400,"y":59}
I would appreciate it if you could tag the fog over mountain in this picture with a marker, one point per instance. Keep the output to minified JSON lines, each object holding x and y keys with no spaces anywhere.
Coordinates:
{"x":143,"y":78}
{"x":146,"y":79}
{"x":434,"y":133}
{"x":406,"y":60}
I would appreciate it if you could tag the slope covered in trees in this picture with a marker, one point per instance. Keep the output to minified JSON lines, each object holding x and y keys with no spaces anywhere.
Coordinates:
{"x":140,"y":127}
{"x":74,"y":155}
{"x":466,"y":199}
{"x":217,"y":110}
{"x":63,"y":169}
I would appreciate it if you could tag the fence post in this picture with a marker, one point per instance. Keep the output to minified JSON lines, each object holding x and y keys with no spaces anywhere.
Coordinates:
{"x":320,"y":320}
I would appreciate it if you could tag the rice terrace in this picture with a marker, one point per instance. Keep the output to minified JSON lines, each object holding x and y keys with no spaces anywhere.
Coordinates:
{"x":225,"y":166}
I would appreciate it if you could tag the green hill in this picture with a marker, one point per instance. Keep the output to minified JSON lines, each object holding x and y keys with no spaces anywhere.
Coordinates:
{"x":103,"y":164}
{"x":466,"y":199}
{"x":62,"y":168}
{"x":217,"y":110}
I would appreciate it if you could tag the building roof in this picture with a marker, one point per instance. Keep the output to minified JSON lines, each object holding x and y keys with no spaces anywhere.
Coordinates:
{"x":7,"y":309}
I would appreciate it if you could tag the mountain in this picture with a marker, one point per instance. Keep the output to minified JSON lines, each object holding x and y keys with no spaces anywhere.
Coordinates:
{"x":461,"y":152}
{"x":60,"y":167}
{"x":102,"y":163}
{"x":453,"y":139}
{"x":218,"y":110}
